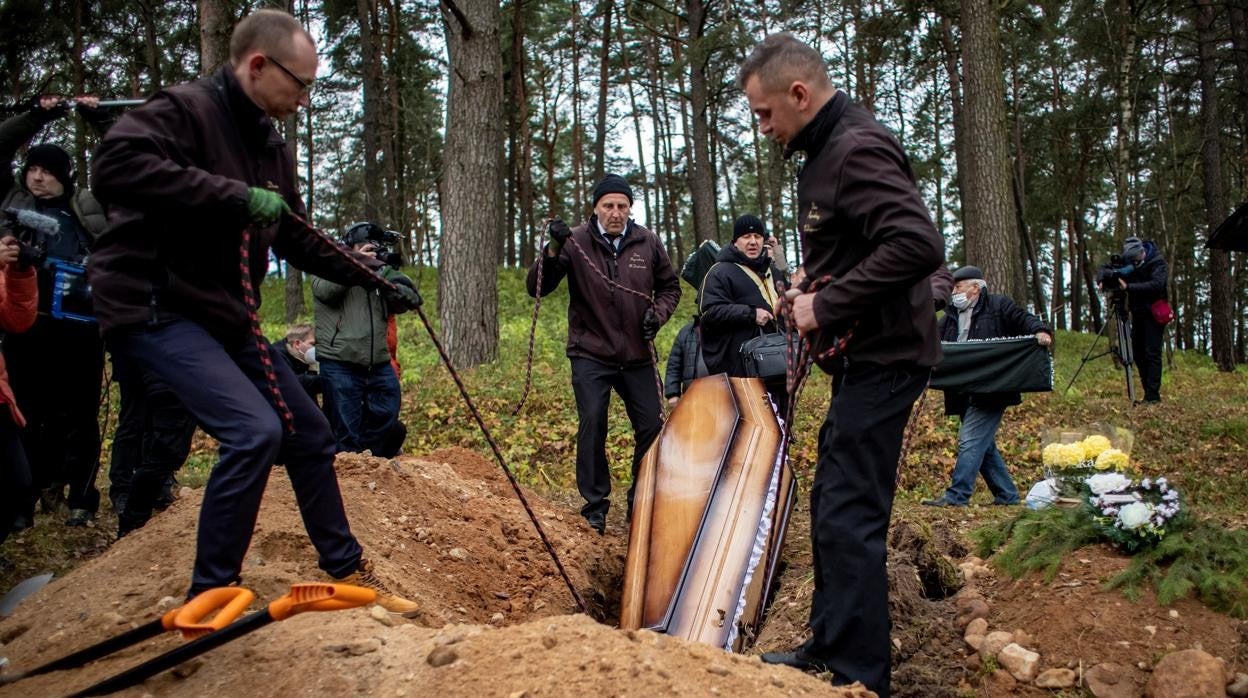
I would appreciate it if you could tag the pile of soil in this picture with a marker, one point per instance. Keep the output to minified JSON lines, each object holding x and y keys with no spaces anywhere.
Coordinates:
{"x":445,"y":530}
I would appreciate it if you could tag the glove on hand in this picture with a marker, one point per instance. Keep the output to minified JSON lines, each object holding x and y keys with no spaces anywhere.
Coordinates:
{"x":264,"y":206}
{"x":559,"y":234}
{"x":650,"y":325}
{"x":404,"y":294}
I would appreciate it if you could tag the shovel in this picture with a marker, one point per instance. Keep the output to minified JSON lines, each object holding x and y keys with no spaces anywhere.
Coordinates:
{"x":302,"y":597}
{"x":227,"y":603}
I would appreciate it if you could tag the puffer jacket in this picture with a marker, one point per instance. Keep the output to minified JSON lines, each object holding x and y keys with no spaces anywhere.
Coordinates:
{"x":350,"y":323}
{"x":18,"y":303}
{"x":684,"y":363}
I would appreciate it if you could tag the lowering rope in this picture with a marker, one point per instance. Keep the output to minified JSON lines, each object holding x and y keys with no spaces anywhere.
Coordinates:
{"x":489,"y":438}
{"x":537,"y":306}
{"x":798,"y":354}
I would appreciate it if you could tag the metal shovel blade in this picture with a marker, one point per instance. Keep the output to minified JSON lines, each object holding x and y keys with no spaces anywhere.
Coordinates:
{"x":23,"y":589}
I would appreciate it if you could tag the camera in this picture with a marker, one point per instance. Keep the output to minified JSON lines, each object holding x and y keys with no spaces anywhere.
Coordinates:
{"x":383,"y":241}
{"x":31,"y":230}
{"x":1116,"y":268}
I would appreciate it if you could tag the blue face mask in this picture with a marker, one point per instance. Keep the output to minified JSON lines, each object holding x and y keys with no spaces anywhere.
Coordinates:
{"x":960,"y":301}
{"x":310,"y":356}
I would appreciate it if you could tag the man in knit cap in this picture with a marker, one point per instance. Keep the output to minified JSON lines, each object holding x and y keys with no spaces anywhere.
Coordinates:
{"x":58,"y":365}
{"x":622,"y":288}
{"x":738,"y":301}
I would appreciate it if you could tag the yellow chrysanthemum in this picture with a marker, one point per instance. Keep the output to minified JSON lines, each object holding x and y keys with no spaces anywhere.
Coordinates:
{"x":1094,"y":445}
{"x":1051,"y":455}
{"x":1112,"y":459}
{"x":1069,"y":455}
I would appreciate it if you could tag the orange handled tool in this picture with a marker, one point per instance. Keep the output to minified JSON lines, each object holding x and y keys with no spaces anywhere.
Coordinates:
{"x":210,"y":611}
{"x":302,"y":598}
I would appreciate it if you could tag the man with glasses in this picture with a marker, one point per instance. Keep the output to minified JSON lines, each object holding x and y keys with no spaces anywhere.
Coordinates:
{"x":198,"y":184}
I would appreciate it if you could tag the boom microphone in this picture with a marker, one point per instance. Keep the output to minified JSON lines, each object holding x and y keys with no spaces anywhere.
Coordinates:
{"x":33,"y":220}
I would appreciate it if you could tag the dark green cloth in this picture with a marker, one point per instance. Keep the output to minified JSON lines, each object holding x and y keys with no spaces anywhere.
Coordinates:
{"x":994,"y":366}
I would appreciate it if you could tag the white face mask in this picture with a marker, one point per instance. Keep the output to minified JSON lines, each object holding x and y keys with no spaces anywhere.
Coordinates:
{"x":310,"y":356}
{"x":960,"y":301}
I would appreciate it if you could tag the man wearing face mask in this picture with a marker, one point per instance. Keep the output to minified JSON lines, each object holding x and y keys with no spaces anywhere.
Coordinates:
{"x":738,"y":301}
{"x":977,"y":314}
{"x":1144,"y":280}
{"x":621,"y":288}
{"x":298,"y":351}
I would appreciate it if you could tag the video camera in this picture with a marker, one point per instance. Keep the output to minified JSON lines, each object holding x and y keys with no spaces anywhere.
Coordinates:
{"x":383,"y":241}
{"x":1116,"y":268}
{"x":32,"y":230}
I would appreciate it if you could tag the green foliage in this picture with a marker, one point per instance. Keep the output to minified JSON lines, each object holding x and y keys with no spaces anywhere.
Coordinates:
{"x":1200,"y":558}
{"x":1035,"y":541}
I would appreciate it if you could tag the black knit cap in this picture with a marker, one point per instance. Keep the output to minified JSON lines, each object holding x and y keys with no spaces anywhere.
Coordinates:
{"x":52,"y":158}
{"x":748,"y":223}
{"x":966,"y":272}
{"x":613,"y":184}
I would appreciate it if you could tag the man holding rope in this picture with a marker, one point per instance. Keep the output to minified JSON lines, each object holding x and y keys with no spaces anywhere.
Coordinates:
{"x":199,"y":187}
{"x":865,"y":308}
{"x":622,"y":289}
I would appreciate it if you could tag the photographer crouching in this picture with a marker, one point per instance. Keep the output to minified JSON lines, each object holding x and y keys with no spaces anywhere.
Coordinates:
{"x":361,"y":387}
{"x":1142,"y":274}
{"x":58,"y":365}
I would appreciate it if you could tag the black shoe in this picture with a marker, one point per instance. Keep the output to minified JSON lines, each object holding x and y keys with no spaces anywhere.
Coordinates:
{"x":1006,"y":504}
{"x":79,"y":517}
{"x":598,"y":522}
{"x":798,"y":659}
{"x":940,"y":502}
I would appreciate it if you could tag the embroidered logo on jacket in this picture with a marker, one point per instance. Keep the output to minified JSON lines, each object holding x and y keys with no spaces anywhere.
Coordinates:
{"x":636,"y":261}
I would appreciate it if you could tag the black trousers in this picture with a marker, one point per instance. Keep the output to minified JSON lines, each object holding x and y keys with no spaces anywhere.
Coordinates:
{"x":56,"y":369}
{"x":152,"y":441}
{"x":14,"y":474}
{"x":592,"y":383}
{"x":1146,"y":339}
{"x":851,"y":502}
{"x":224,"y":389}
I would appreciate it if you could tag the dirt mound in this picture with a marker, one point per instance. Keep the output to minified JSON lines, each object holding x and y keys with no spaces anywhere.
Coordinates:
{"x":1075,"y":622}
{"x":444,"y":530}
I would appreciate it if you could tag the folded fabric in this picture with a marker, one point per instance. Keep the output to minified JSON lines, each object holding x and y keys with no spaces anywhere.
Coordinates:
{"x":1008,"y":365}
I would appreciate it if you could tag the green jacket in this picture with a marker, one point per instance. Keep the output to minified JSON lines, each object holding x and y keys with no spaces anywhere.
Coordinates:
{"x":350,"y":323}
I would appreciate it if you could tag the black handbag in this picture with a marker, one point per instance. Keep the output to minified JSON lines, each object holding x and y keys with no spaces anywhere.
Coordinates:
{"x":765,"y":357}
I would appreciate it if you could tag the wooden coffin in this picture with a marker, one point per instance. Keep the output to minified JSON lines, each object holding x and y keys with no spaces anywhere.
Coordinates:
{"x":712,"y":501}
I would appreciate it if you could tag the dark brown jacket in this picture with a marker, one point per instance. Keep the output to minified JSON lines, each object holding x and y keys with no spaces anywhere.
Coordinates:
{"x":604,"y":323}
{"x":865,"y":226}
{"x":174,"y":175}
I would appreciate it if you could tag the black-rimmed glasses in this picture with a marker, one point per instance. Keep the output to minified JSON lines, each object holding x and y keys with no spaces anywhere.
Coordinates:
{"x":307,"y":85}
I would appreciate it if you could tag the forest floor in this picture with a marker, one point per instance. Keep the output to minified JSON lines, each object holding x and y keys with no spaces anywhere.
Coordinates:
{"x":444,"y":529}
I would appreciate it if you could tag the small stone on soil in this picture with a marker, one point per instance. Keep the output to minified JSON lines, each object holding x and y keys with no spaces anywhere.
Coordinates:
{"x":717,"y":669}
{"x":441,"y":656}
{"x":186,"y":670}
{"x":549,"y":641}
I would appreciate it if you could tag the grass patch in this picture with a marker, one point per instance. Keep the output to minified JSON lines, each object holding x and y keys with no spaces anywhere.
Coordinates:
{"x":1200,"y":558}
{"x":1234,"y":429}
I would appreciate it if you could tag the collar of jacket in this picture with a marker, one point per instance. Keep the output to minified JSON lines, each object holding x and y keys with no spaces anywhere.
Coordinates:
{"x":630,"y":233}
{"x":254,"y":126}
{"x":813,"y":135}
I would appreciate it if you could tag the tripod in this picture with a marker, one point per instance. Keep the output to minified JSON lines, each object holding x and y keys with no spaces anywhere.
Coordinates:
{"x":1122,"y":325}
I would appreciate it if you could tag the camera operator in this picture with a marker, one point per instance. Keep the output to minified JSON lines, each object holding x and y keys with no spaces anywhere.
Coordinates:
{"x":58,"y":365}
{"x":1142,"y":273}
{"x":361,"y":387}
{"x":18,"y":302}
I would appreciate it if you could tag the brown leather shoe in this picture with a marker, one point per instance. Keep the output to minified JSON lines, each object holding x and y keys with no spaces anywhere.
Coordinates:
{"x":363,"y":577}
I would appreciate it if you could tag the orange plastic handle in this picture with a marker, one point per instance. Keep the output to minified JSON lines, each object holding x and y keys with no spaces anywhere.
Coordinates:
{"x":228,"y":603}
{"x":320,"y":597}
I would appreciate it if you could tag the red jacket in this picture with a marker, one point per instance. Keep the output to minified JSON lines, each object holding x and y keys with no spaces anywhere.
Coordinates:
{"x":19,"y":302}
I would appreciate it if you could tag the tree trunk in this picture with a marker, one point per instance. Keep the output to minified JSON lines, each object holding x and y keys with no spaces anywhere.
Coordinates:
{"x":370,"y":63}
{"x":578,"y":130}
{"x":1221,"y":295}
{"x":701,"y":179}
{"x":1125,"y":117}
{"x":988,"y":219}
{"x":215,"y":25}
{"x":954,"y":77}
{"x":151,"y":46}
{"x":472,"y":201}
{"x":604,"y":65}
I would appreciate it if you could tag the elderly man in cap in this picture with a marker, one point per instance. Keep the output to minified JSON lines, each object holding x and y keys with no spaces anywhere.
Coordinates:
{"x":621,"y":288}
{"x":57,"y":366}
{"x":977,"y":314}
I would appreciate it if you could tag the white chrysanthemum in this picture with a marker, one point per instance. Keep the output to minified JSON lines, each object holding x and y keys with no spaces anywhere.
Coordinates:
{"x":1134,"y":515}
{"x":1108,"y":482}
